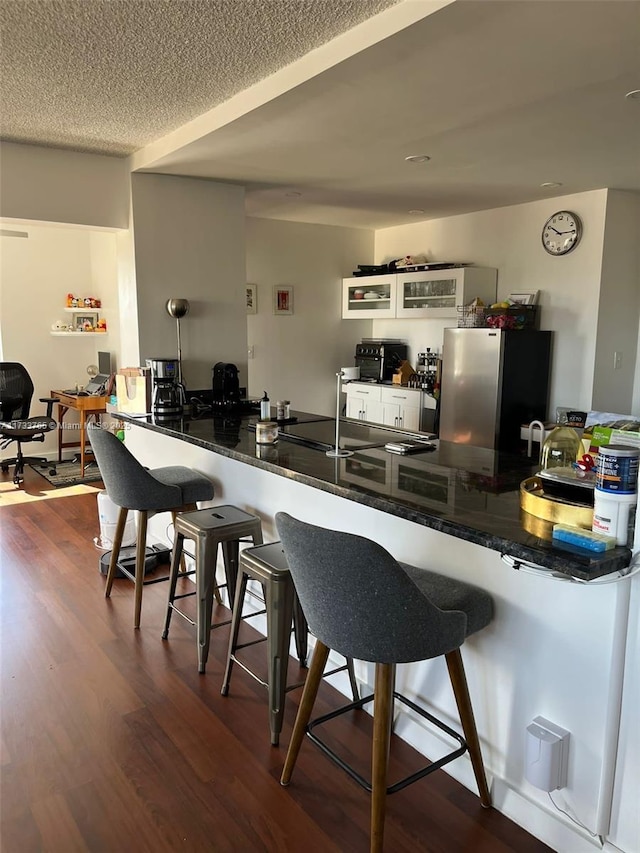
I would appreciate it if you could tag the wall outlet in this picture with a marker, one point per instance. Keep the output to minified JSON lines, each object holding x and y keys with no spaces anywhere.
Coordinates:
{"x":547,"y":755}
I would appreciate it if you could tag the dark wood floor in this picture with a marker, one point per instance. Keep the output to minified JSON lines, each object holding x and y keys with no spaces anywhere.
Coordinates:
{"x":111,"y":741}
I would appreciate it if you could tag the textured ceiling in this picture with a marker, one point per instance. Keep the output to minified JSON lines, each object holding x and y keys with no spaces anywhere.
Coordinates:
{"x":313,"y":105}
{"x":110,"y":76}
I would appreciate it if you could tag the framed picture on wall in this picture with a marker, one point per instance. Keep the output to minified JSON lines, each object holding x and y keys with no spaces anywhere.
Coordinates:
{"x":252,"y":299}
{"x":282,"y":300}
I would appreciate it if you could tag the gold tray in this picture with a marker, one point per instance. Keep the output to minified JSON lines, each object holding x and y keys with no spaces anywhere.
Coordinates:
{"x":555,"y":510}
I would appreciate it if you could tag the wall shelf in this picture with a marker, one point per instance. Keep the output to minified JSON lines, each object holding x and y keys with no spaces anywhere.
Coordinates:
{"x":83,"y":310}
{"x":79,"y":334}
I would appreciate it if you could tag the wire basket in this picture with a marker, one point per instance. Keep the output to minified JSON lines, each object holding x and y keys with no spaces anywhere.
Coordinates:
{"x":471,"y":317}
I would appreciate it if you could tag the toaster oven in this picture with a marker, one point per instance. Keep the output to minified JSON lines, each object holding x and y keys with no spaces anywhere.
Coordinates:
{"x":378,"y":360}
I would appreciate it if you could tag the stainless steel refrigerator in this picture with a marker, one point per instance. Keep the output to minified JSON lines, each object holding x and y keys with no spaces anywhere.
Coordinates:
{"x":492,"y":382}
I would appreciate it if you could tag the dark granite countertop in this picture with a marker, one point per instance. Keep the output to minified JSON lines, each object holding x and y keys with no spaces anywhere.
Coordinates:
{"x":466,"y":492}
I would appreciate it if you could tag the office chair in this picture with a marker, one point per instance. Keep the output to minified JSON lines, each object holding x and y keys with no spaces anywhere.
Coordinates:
{"x":16,"y":391}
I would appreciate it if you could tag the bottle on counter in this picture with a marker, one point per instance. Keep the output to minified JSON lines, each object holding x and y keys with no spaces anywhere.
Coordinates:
{"x":265,"y":408}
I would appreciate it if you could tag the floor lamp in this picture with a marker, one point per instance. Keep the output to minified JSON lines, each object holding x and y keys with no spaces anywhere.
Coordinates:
{"x":346,"y":374}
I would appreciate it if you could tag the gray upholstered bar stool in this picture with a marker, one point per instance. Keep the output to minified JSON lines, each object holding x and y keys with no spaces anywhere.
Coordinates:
{"x":402,"y":614}
{"x":149,"y":491}
{"x":208,"y":528}
{"x":268,"y":565}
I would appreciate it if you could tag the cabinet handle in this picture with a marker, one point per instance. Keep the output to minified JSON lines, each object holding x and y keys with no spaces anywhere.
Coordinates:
{"x":399,"y":396}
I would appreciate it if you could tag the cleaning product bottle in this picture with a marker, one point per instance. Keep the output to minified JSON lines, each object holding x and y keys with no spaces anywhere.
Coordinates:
{"x":561,"y":449}
{"x":265,"y":408}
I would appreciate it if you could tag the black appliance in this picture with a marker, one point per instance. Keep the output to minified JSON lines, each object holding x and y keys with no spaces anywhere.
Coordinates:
{"x":226,"y":386}
{"x":378,"y":360}
{"x":168,"y":395}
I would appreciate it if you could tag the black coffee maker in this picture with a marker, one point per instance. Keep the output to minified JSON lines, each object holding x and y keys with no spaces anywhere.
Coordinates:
{"x":226,"y":386}
{"x":167,"y":399}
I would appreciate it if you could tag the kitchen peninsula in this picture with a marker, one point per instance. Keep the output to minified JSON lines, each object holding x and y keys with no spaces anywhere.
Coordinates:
{"x":470,"y":493}
{"x":556,"y":645}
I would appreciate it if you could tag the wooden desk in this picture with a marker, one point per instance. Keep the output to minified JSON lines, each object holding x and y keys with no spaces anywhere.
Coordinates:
{"x":88,"y":407}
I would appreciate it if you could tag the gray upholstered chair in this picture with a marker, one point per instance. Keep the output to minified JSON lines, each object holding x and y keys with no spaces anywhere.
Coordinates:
{"x":359,"y":601}
{"x":148,"y":491}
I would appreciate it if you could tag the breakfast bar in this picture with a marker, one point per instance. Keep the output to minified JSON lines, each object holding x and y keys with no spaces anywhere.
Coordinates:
{"x":556,"y":646}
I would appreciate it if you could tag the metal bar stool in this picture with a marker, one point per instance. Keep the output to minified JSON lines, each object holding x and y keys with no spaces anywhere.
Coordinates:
{"x":268,"y":565}
{"x":208,"y":528}
{"x":403,"y":614}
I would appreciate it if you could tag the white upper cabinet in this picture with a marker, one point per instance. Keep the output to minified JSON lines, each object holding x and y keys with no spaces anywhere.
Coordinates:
{"x":437,"y":293}
{"x":369,"y":297}
{"x":432,"y":293}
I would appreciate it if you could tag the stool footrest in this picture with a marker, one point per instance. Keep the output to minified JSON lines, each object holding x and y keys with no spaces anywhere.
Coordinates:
{"x":408,"y":780}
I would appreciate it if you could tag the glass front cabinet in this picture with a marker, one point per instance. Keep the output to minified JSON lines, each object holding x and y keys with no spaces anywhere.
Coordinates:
{"x":369,"y":297}
{"x":432,"y":293}
{"x":437,"y":293}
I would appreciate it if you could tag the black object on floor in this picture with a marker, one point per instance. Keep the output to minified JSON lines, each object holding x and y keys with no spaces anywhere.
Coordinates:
{"x":156,"y":555}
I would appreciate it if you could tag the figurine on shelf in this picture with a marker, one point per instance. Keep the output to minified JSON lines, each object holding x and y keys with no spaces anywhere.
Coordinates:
{"x":70,"y":298}
{"x":101,"y":326}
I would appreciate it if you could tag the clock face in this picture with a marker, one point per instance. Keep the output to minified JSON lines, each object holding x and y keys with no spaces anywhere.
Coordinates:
{"x":561,"y":232}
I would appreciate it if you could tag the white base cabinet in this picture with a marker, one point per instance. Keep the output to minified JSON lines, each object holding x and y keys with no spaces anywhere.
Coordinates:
{"x":390,"y":405}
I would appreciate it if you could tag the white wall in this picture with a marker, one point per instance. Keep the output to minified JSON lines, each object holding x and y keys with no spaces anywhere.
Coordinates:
{"x":52,"y":185}
{"x":508,"y":239}
{"x":619,"y":304}
{"x":189,"y":243}
{"x":296,"y":356}
{"x":36,"y":273}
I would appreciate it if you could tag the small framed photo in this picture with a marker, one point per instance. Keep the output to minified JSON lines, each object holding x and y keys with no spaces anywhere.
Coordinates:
{"x":84,"y":321}
{"x":252,"y":299}
{"x":525,"y":298}
{"x":282,"y":300}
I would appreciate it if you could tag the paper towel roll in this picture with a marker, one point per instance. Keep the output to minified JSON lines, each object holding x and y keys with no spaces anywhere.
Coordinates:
{"x":350,"y":373}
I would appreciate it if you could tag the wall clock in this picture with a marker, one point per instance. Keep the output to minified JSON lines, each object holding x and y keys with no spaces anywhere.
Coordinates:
{"x":561,"y":233}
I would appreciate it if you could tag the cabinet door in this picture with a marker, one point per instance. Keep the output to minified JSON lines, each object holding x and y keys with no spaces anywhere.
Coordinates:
{"x":437,"y":293}
{"x":369,"y":297}
{"x":410,"y":418}
{"x":355,"y":408}
{"x":391,"y":414}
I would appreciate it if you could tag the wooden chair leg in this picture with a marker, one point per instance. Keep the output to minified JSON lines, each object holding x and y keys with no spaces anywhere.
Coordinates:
{"x":311,"y":685}
{"x":382,"y":719}
{"x":115,"y":551}
{"x":141,"y":554}
{"x":463,"y":701}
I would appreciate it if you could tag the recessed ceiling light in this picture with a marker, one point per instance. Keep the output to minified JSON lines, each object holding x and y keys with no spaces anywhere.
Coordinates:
{"x":417,"y":158}
{"x":634,"y":95}
{"x":416,"y":212}
{"x":549,"y":185}
{"x":293,"y":194}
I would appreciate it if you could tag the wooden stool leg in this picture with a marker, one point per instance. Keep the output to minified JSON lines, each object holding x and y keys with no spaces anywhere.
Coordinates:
{"x":382,"y":718}
{"x":141,"y":554}
{"x":235,"y":627}
{"x":463,"y":701}
{"x":311,"y":685}
{"x":174,"y":571}
{"x":115,"y":551}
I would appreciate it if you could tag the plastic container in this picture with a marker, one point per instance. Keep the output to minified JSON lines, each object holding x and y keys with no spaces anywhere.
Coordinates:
{"x":615,"y":515}
{"x":561,"y":449}
{"x":617,"y":470}
{"x":108,"y":515}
